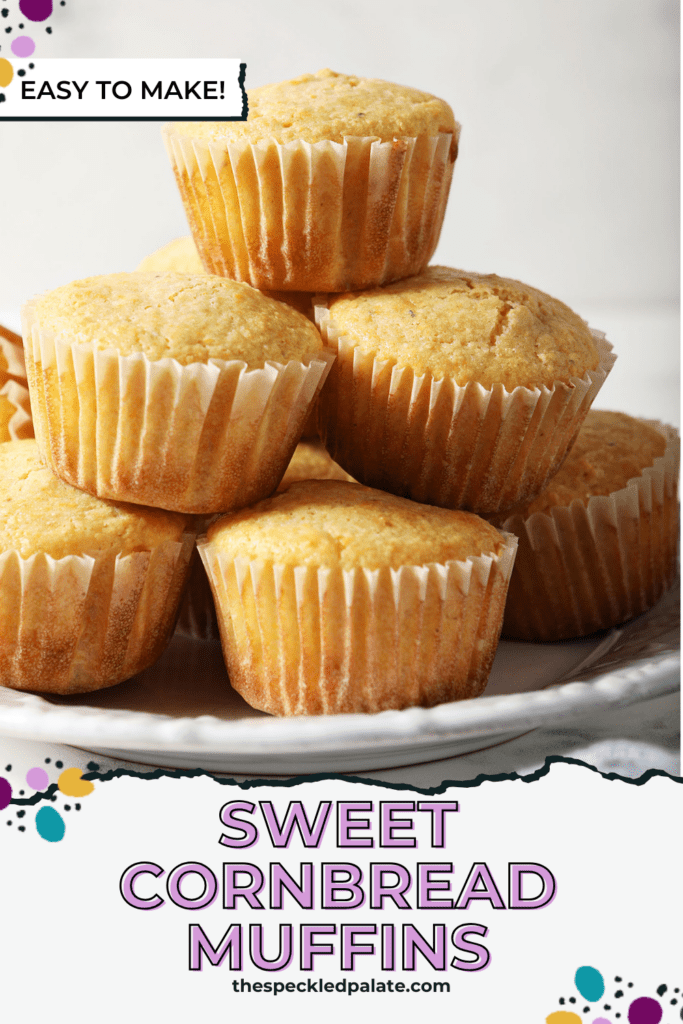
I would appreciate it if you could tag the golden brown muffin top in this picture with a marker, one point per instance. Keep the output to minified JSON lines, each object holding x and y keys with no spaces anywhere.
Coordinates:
{"x":335,"y":524}
{"x":180,"y":255}
{"x":41,"y":513}
{"x":472,"y":327}
{"x":311,"y":461}
{"x":611,"y":449}
{"x":329,"y":106}
{"x":189,"y":317}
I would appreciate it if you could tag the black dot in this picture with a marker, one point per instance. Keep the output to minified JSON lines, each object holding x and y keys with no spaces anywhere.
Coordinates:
{"x":20,"y":814}
{"x":617,"y":1015}
{"x":675,"y":990}
{"x":47,"y":759}
{"x":62,"y":3}
{"x":77,"y":806}
{"x":22,"y":828}
{"x":31,"y":66}
{"x":48,"y":30}
{"x":586,"y":1009}
{"x":53,"y":798}
{"x":8,"y":767}
{"x":67,"y":807}
{"x":607,"y":1006}
{"x":618,"y":994}
{"x":673,"y":1002}
{"x":59,"y":764}
{"x":5,"y":12}
{"x":9,"y":822}
{"x":92,"y":767}
{"x":8,"y":30}
{"x":617,"y":979}
{"x":571,"y":999}
{"x":21,"y":792}
{"x":561,"y":1001}
{"x":630,"y":985}
{"x":21,"y":73}
{"x":21,"y":26}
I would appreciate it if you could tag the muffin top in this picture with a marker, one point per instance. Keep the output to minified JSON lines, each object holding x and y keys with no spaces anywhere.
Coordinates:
{"x":311,"y":461}
{"x":471,"y":327}
{"x":189,"y":317}
{"x":329,"y":106}
{"x":335,"y":524}
{"x":611,"y":448}
{"x":180,"y":255}
{"x":39,"y":512}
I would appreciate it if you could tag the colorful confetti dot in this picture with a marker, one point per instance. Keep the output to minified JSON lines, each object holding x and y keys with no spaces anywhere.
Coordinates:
{"x":37,"y":778}
{"x":601,"y":1020}
{"x":645,"y":1011}
{"x":563,"y":1017}
{"x":50,"y":824}
{"x":36,"y":10}
{"x":23,"y":46}
{"x":6,"y":72}
{"x":71,"y":784}
{"x":590,"y":983}
{"x":5,"y":793}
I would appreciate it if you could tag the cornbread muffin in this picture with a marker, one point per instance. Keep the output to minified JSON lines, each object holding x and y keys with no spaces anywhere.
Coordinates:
{"x":333,"y":597}
{"x":598,"y":546}
{"x":456,"y":389}
{"x":333,"y":182}
{"x":89,"y":589}
{"x":181,"y":255}
{"x":11,"y":357}
{"x":15,"y":411}
{"x":311,"y":461}
{"x":186,"y":392}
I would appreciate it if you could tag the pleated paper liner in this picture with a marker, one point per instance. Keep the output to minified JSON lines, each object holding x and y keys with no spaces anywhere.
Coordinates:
{"x":461,"y":447}
{"x":587,"y":567}
{"x":301,"y":640}
{"x":16,"y":421}
{"x":202,"y":438}
{"x":81,"y":623}
{"x":311,"y":217}
{"x":12,"y":355}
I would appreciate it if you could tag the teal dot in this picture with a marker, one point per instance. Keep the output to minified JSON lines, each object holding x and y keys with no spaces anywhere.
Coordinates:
{"x":590,"y":983}
{"x":50,"y":824}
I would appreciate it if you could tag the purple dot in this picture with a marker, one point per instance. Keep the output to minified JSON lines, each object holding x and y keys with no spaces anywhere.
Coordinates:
{"x":5,"y":793}
{"x":36,"y":10}
{"x":645,"y":1011}
{"x":601,"y":1020}
{"x":23,"y":46}
{"x":37,"y":778}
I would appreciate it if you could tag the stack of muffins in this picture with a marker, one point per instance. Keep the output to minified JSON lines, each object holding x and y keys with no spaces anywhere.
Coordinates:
{"x":449,"y":401}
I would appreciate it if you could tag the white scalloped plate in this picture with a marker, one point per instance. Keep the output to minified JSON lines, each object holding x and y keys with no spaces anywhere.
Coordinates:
{"x":182,"y":713}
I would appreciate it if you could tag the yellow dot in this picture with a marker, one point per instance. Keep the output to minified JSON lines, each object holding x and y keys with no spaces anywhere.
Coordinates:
{"x":71,"y":784}
{"x":563,"y":1017}
{"x":6,"y":72}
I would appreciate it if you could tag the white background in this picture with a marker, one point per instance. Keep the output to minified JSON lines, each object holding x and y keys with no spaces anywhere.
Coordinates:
{"x":613,"y":847}
{"x":567,"y":176}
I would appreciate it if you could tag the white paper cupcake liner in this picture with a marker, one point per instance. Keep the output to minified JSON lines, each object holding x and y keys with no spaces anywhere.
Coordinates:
{"x":321,"y":216}
{"x":208,"y":437}
{"x":20,"y":422}
{"x":80,"y":623}
{"x":470,"y":447}
{"x":587,"y":567}
{"x":305,"y":640}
